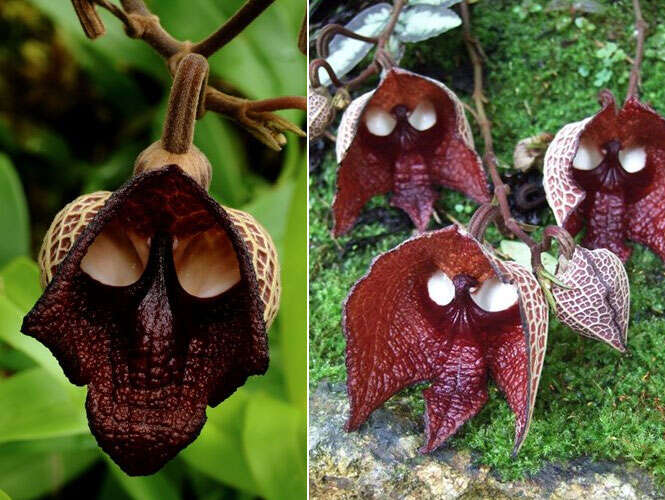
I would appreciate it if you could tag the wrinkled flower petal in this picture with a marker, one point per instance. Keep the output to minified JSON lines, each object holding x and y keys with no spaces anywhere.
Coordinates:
{"x":409,"y":158}
{"x":398,"y":333}
{"x":621,"y":198}
{"x":152,"y":355}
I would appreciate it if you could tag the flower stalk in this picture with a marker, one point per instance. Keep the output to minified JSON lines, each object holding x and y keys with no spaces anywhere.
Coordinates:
{"x":256,"y":117}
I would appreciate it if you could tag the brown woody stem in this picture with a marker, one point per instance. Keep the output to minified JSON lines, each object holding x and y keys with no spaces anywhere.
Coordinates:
{"x":186,"y":103}
{"x":328,"y":32}
{"x":641,"y":27}
{"x":380,"y":60}
{"x":302,"y":35}
{"x":500,"y":189}
{"x":90,"y":21}
{"x":231,"y":28}
{"x":142,"y":24}
{"x":278,"y":103}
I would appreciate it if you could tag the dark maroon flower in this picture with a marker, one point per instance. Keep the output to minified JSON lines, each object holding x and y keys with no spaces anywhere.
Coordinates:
{"x":607,"y":173}
{"x":407,"y":137}
{"x":157,"y":309}
{"x":442,"y":309}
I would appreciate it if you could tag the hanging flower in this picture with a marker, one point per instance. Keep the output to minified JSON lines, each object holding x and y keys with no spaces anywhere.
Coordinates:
{"x":157,"y":297}
{"x":157,"y":308}
{"x":443,"y":309}
{"x":407,"y":137}
{"x":606,"y":173}
{"x":595,"y":298}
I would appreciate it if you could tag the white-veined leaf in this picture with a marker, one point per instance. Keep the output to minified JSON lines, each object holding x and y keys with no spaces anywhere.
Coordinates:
{"x":440,"y":3}
{"x":420,"y":22}
{"x":345,"y":53}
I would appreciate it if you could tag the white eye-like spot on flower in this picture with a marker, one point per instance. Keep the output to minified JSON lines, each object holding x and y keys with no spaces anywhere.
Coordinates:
{"x":117,"y":256}
{"x":633,"y":159}
{"x":494,"y":295}
{"x":423,"y":117}
{"x":206,"y":263}
{"x":379,"y":122}
{"x":588,"y":156}
{"x":440,"y":288}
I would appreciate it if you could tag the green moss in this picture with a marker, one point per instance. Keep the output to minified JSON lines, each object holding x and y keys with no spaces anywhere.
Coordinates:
{"x":542,"y":73}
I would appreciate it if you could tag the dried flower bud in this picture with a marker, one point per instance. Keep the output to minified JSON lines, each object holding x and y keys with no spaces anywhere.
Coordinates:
{"x":597,"y":302}
{"x":320,"y":111}
{"x":529,"y":150}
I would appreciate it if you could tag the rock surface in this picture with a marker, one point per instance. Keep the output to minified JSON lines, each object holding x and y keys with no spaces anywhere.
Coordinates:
{"x":382,"y":461}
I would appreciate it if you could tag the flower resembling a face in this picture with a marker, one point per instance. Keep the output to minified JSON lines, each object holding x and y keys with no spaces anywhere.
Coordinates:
{"x":406,"y":137}
{"x":156,"y":308}
{"x":443,"y":309}
{"x":607,"y":173}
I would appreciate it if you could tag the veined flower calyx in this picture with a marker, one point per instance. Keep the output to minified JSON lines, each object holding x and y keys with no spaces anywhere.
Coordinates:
{"x":407,"y":137}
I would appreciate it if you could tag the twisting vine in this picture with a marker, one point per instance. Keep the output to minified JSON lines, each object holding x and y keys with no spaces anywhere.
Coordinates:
{"x":380,"y":60}
{"x":256,"y":117}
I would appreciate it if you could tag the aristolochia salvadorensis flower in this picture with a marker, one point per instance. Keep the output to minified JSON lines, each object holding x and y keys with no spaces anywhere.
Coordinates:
{"x":408,"y":137}
{"x":607,"y":174}
{"x":443,"y":309}
{"x":160,"y":307}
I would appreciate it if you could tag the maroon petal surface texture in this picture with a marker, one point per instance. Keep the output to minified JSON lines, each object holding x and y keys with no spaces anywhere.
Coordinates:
{"x":152,"y":354}
{"x":407,"y":137}
{"x":607,"y":173}
{"x":422,"y":313}
{"x":597,"y":302}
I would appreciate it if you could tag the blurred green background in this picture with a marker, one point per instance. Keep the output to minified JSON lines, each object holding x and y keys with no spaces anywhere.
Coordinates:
{"x":73,"y":116}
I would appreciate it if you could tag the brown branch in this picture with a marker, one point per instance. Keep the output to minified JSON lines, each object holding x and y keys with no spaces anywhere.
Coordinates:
{"x":380,"y":60}
{"x":641,"y":27}
{"x":329,"y":31}
{"x":500,"y":189}
{"x":278,"y":103}
{"x":232,"y":27}
{"x":142,"y":24}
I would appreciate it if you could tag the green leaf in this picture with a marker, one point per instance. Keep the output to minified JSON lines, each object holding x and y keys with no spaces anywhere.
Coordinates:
{"x":218,"y":451}
{"x":14,"y":225}
{"x":274,"y":441}
{"x":35,"y":406}
{"x":4,"y":496}
{"x":420,"y":22}
{"x":31,"y":469}
{"x":11,"y":318}
{"x":219,"y":141}
{"x":20,"y":282}
{"x":18,"y":291}
{"x":155,"y":487}
{"x":520,"y":253}
{"x":346,"y":53}
{"x":293,"y":310}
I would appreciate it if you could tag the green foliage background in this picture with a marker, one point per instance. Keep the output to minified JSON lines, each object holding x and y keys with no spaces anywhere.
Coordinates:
{"x":544,"y":70}
{"x":73,"y":116}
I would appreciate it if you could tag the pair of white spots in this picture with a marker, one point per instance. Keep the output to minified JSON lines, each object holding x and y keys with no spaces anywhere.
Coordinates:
{"x":491,"y":296}
{"x":205,"y":263}
{"x":382,"y":123}
{"x":589,"y":156}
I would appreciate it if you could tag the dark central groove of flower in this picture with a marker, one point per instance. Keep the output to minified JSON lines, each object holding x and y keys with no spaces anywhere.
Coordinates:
{"x":610,"y":188}
{"x":473,"y":338}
